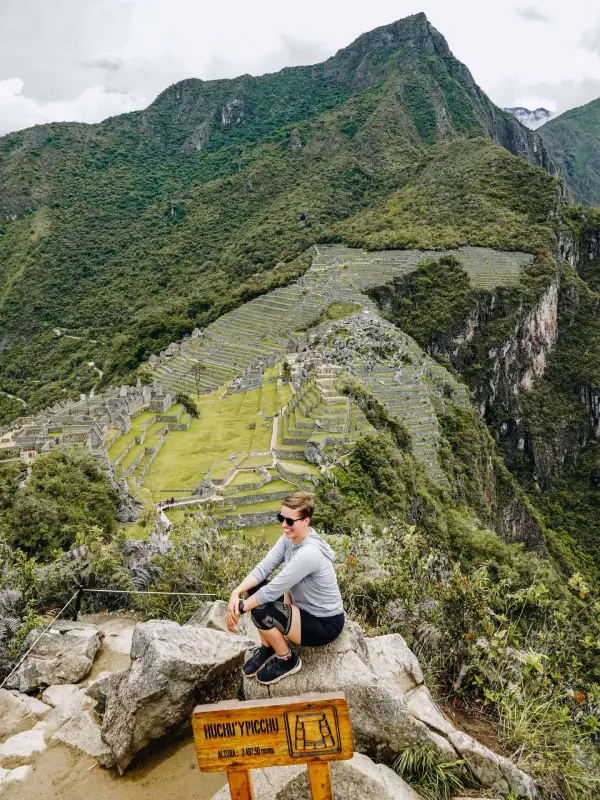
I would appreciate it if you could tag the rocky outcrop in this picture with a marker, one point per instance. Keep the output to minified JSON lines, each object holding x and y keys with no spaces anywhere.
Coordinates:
{"x":172,"y":668}
{"x":64,"y":654}
{"x":356,"y":779}
{"x":213,"y":615}
{"x":390,"y":707}
{"x":381,"y":722}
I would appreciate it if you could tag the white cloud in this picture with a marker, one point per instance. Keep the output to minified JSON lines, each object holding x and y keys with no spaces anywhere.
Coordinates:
{"x":17,"y":110}
{"x":531,"y":14}
{"x":121,"y":54}
{"x":591,"y":39}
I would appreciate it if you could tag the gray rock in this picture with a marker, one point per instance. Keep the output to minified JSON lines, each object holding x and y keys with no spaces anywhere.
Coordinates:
{"x":56,"y":695}
{"x":83,"y":732}
{"x":422,"y":706}
{"x":72,"y":704}
{"x":102,"y":686}
{"x":392,"y":659}
{"x":213,"y":614}
{"x":22,"y":747}
{"x":12,"y":712}
{"x":381,"y":722}
{"x":490,"y":769}
{"x":35,"y":706}
{"x":172,"y":668}
{"x":64,"y":654}
{"x":355,"y":779}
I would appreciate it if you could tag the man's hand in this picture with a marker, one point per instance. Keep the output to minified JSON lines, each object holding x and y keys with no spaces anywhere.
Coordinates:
{"x":233,"y":612}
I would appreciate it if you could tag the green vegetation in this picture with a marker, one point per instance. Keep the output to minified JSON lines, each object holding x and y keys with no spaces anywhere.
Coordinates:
{"x":129,"y":233}
{"x":337,"y":311}
{"x":429,"y":303}
{"x":10,"y":409}
{"x":434,"y":780}
{"x":464,"y":192}
{"x":67,"y":493}
{"x":573,"y":141}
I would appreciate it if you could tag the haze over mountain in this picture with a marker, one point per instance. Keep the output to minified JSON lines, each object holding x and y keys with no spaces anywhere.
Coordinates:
{"x":531,"y":118}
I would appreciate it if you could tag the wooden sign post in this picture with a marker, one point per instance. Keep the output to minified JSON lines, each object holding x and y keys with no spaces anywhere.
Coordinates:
{"x":308,"y":729}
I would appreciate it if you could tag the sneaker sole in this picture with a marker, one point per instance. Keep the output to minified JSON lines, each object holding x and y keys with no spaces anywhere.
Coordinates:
{"x":293,"y":671}
{"x":254,"y":674}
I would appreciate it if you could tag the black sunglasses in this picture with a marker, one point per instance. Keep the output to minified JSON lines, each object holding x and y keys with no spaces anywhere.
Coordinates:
{"x":288,"y":520}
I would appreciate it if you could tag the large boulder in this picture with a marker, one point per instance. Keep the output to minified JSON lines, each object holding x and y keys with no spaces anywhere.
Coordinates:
{"x":172,"y":668}
{"x":355,"y":779}
{"x":381,"y":721}
{"x":390,"y":706}
{"x":64,"y":654}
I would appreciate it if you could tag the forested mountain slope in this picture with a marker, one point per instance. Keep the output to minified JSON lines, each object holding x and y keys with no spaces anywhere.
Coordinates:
{"x":573,"y":139}
{"x":117,"y":238}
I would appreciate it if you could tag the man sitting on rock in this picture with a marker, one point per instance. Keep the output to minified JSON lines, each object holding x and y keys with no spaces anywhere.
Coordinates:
{"x":301,"y":604}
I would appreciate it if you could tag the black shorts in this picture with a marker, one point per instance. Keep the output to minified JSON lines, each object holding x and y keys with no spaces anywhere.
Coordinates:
{"x":314,"y":631}
{"x":318,"y":631}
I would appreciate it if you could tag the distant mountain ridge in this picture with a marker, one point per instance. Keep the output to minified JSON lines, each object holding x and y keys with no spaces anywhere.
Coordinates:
{"x":573,"y":138}
{"x":131,"y":232}
{"x":530,"y":118}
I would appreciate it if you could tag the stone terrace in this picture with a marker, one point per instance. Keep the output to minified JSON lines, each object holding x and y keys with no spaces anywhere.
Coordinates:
{"x":258,"y":333}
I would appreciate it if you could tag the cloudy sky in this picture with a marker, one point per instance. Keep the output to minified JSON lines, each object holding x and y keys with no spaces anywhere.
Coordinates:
{"x":86,"y":60}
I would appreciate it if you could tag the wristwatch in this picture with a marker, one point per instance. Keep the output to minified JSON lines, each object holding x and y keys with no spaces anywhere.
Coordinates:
{"x":241,"y":606}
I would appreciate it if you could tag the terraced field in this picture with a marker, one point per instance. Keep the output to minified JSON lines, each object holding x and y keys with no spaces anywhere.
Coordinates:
{"x":249,"y":447}
{"x":258,"y":331}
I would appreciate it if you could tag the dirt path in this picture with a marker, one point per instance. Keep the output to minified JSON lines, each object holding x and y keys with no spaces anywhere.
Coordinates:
{"x":169,"y":773}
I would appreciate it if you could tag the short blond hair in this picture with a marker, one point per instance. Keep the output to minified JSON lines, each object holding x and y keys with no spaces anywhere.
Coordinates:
{"x":301,"y":501}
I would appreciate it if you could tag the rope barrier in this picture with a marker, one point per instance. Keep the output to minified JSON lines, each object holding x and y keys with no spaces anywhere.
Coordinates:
{"x":139,"y":591}
{"x":77,"y":594}
{"x":47,"y":628}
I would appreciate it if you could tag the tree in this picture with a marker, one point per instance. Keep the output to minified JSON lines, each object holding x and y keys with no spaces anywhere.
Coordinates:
{"x":66,"y":494}
{"x":197,"y":372}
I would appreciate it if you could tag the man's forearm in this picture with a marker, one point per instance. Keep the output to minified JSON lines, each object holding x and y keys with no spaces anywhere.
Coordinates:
{"x":248,"y":583}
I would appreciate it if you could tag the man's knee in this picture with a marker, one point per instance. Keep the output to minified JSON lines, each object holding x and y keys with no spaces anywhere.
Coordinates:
{"x":273,"y":615}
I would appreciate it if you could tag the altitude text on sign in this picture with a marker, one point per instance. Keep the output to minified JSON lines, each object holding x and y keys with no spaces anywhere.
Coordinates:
{"x":237,"y":736}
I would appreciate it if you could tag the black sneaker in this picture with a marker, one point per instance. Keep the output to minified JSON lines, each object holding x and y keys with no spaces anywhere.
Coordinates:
{"x":278,"y":668}
{"x":259,"y":657}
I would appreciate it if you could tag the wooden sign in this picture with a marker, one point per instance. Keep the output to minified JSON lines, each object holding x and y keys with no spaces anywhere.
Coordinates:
{"x":308,"y":729}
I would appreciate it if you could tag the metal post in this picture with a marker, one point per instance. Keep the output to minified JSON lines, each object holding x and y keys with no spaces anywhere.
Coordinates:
{"x":78,"y":597}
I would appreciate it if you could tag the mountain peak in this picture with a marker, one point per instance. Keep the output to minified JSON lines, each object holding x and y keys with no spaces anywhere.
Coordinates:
{"x":531,"y":118}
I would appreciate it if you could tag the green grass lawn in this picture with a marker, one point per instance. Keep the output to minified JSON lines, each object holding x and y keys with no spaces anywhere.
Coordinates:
{"x":284,"y":392}
{"x":270,"y":533}
{"x":299,"y":468}
{"x":257,"y":461}
{"x":186,"y":456}
{"x":268,"y":398}
{"x":261,"y":441}
{"x":244,"y":478}
{"x":131,"y":456}
{"x":254,"y":508}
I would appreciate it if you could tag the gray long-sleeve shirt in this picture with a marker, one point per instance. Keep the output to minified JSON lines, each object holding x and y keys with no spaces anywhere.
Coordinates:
{"x":308,"y":575}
